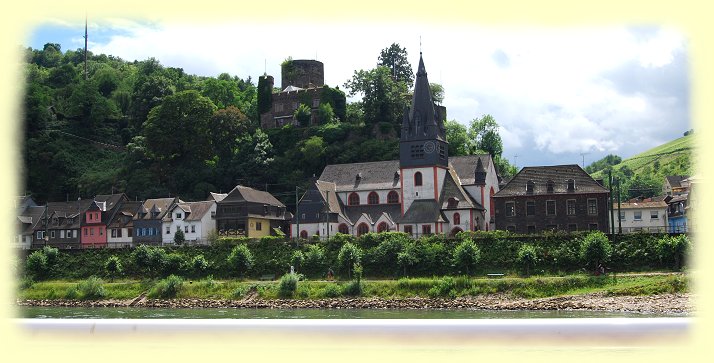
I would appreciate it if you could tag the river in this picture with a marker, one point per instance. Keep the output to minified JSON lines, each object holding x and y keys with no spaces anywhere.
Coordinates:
{"x":39,"y":312}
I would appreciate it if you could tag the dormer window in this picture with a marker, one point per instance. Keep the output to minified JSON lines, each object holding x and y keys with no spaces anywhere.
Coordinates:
{"x":396,"y":175}
{"x":549,"y":186}
{"x":530,"y":186}
{"x":358,"y":177}
{"x":571,"y":185}
{"x":453,"y":202}
{"x":179,"y":215}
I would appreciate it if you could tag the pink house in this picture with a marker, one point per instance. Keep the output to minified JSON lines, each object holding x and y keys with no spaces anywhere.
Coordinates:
{"x":96,"y":217}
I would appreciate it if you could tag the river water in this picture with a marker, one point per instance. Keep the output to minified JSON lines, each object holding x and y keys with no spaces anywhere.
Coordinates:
{"x":231,"y":313}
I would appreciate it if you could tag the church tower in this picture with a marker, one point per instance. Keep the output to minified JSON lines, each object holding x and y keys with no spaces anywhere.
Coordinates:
{"x":423,"y":150}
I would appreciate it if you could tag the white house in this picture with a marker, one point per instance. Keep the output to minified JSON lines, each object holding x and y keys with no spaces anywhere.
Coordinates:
{"x":195,"y":219}
{"x":650,"y":216}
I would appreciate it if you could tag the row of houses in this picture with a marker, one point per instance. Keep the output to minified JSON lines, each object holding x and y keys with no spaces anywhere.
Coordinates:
{"x":114,"y":221}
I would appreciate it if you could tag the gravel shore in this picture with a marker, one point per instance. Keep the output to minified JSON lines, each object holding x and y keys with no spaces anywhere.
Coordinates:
{"x":659,"y":304}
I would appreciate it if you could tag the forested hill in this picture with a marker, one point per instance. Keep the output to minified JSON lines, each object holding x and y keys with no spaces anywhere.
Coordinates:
{"x":151,"y":130}
{"x":643,"y":174}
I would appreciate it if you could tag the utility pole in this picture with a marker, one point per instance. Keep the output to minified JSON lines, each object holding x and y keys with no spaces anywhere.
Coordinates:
{"x":297,"y":218}
{"x":583,"y":155}
{"x":515,"y":160}
{"x":619,"y":220}
{"x":612,"y":210}
{"x":328,"y":213}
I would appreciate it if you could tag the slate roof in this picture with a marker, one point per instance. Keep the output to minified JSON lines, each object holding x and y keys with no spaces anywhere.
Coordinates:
{"x":242,"y":193}
{"x":217,"y":196}
{"x":675,"y":181}
{"x":452,"y":189}
{"x":73,"y":209}
{"x":378,"y":175}
{"x":127,"y":209}
{"x":559,"y":174}
{"x":195,"y":210}
{"x":30,"y":217}
{"x":422,"y":211}
{"x":161,"y":205}
{"x":373,"y":212}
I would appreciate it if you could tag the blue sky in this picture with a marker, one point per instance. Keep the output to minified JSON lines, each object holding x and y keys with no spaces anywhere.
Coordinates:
{"x":557,"y":93}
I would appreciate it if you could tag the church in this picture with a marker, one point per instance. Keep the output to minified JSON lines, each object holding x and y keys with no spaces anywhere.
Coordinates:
{"x":424,"y":192}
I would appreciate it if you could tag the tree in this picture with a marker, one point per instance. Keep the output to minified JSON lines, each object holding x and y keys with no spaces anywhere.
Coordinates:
{"x":36,"y":265}
{"x":673,"y":249}
{"x":179,"y":237}
{"x":595,"y":248}
{"x":314,"y":259}
{"x":409,"y":256}
{"x":527,"y":257}
{"x":303,"y":114}
{"x":297,"y":260}
{"x":241,"y":259}
{"x":458,"y":138}
{"x":265,"y":95}
{"x":325,"y":114}
{"x":348,"y":256}
{"x":395,"y":57}
{"x":484,"y":136}
{"x":437,"y":92}
{"x":89,"y":107}
{"x":199,"y":265}
{"x":178,"y":129}
{"x":467,"y":255}
{"x":226,"y":124}
{"x":383,"y":98}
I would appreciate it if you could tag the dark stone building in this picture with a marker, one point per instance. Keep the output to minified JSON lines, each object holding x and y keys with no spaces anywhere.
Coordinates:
{"x":60,"y":225}
{"x":562,"y":197}
{"x":148,"y":220}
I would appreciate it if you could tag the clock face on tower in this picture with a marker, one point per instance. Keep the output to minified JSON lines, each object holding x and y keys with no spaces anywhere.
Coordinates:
{"x":429,"y":147}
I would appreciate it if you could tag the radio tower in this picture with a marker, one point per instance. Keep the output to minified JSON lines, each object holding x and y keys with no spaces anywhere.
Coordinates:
{"x":85,"y":46}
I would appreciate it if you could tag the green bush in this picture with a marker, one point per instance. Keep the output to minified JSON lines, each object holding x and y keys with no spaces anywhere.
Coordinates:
{"x":314,"y":260}
{"x":672,"y":249}
{"x":288,"y":285}
{"x":527,"y":257}
{"x":199,"y":265}
{"x":331,"y":290}
{"x":113,"y":267}
{"x":297,"y":260}
{"x":36,"y":265}
{"x":445,"y":287}
{"x":241,"y":259}
{"x":175,"y":263}
{"x":89,"y":289}
{"x":595,"y":248}
{"x":167,"y":288}
{"x":179,"y":237}
{"x":149,"y":260}
{"x":467,"y":255}
{"x":352,"y":288}
{"x":52,"y":254}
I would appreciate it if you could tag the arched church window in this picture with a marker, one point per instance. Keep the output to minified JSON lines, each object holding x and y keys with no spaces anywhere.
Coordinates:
{"x":353,"y":199}
{"x":343,"y":229}
{"x":393,"y":197}
{"x":373,"y":198}
{"x":362,"y":229}
{"x":417,"y":179}
{"x":457,"y":218}
{"x":382,"y":227}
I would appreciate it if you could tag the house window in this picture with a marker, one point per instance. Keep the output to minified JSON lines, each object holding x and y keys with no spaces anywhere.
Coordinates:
{"x":511,"y":228}
{"x":550,"y":207}
{"x":417,"y":179}
{"x":531,"y":229}
{"x":592,"y":226}
{"x":530,"y":186}
{"x":638,"y":215}
{"x":572,"y":227}
{"x":426,"y":229}
{"x":622,"y":215}
{"x":52,"y":234}
{"x":571,"y":207}
{"x":530,"y":208}
{"x":258,"y":226}
{"x":353,"y":199}
{"x":408,"y":230}
{"x":343,"y":229}
{"x":571,"y":185}
{"x":62,"y":233}
{"x":549,"y":186}
{"x":130,"y":232}
{"x":91,"y":232}
{"x":303,"y":234}
{"x":382,"y":227}
{"x":193,"y":228}
{"x":654,"y":214}
{"x":393,"y":197}
{"x":362,"y":229}
{"x":185,"y":229}
{"x":457,"y":218}
{"x":373,"y":198}
{"x":114,"y":233}
{"x":178,"y":215}
{"x":40,"y":234}
{"x":86,"y":231}
{"x":592,"y":206}
{"x":168,"y":229}
{"x":74,"y":233}
{"x":510,"y":209}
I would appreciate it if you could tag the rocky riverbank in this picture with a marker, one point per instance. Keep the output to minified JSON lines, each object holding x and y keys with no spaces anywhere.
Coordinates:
{"x":660,"y":304}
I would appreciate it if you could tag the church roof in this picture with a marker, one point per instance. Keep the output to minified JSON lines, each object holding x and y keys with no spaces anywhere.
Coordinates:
{"x":422,"y":211}
{"x":380,"y":175}
{"x":373,"y":212}
{"x":422,"y":122}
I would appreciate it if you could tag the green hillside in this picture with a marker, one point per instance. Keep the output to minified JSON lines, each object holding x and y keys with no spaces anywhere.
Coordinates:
{"x":643,"y":174}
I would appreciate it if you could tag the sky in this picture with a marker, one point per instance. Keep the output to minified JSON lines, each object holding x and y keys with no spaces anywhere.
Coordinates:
{"x":561,"y":95}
